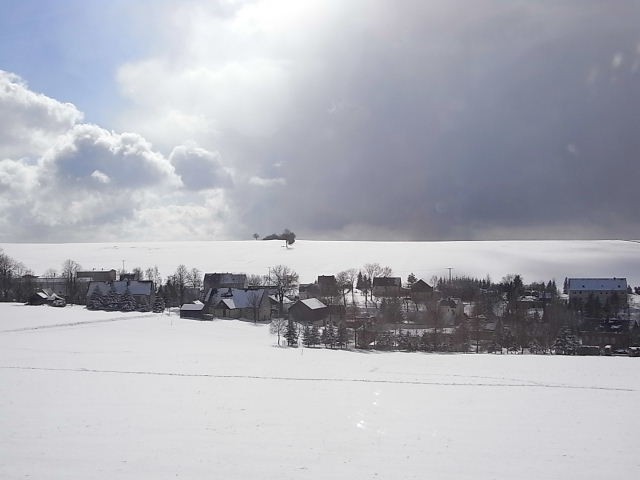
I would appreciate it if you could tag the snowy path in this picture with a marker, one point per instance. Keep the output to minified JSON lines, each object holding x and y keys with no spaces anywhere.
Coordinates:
{"x":525,"y":384}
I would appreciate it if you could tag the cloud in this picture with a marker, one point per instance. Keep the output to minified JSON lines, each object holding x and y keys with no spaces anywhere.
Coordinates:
{"x":267,"y":182}
{"x":30,"y":122}
{"x":436,"y":120}
{"x":199,"y":168}
{"x":86,"y":183}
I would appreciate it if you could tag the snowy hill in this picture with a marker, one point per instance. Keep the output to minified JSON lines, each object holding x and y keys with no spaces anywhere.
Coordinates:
{"x":535,"y":260}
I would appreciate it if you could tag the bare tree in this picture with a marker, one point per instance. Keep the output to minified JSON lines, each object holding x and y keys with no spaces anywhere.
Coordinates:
{"x":345,"y":281}
{"x":194,"y":278}
{"x":180,"y":281}
{"x":153,"y":274}
{"x":50,"y":273}
{"x":7,"y":273}
{"x":256,"y":236}
{"x":255,"y":280}
{"x":69,"y":271}
{"x":137,"y":273}
{"x":285,"y":281}
{"x":277,"y":327}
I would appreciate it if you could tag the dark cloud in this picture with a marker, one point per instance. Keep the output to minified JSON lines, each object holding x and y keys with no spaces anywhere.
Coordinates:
{"x":524,"y":122}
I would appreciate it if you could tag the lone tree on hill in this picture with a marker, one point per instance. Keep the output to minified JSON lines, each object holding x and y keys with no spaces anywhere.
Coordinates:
{"x":287,"y":235}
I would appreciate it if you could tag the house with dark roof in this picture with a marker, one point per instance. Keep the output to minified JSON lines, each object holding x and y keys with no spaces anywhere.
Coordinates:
{"x":96,"y":276}
{"x":310,"y":310}
{"x":249,"y":303}
{"x":327,"y":285}
{"x":420,"y":291}
{"x":387,"y":286}
{"x":224,"y":280}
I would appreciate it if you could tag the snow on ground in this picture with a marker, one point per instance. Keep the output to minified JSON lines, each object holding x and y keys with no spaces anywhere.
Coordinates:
{"x":535,"y":260}
{"x":153,"y":396}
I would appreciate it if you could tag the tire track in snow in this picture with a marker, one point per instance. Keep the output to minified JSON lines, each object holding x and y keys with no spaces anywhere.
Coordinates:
{"x":318,"y":379}
{"x":74,"y":324}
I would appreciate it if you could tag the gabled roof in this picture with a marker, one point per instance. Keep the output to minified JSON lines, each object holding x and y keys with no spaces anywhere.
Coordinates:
{"x":232,"y":298}
{"x":225,"y":279}
{"x":421,"y":286}
{"x":616,"y":284}
{"x":312,"y":303}
{"x":192,"y":307}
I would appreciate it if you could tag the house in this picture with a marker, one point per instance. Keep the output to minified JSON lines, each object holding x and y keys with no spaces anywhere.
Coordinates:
{"x":308,"y":290}
{"x":387,"y":286}
{"x":327,"y":285}
{"x":142,"y":291}
{"x":224,"y":280}
{"x":194,"y":310}
{"x":275,"y":304}
{"x":46,"y":297}
{"x":310,"y":310}
{"x":57,"y":285}
{"x":252,"y":304}
{"x":96,"y":276}
{"x":420,"y":291}
{"x":604,"y":289}
{"x":450,"y":311}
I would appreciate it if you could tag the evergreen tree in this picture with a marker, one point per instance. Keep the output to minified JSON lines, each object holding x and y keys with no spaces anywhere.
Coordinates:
{"x":158,"y":303}
{"x":411,"y":279}
{"x":96,"y":300}
{"x":425,"y":341}
{"x":127,"y":302}
{"x":315,"y":336}
{"x":291,"y":334}
{"x":343,"y":337}
{"x":306,"y":336}
{"x":112,"y":300}
{"x":328,"y":337}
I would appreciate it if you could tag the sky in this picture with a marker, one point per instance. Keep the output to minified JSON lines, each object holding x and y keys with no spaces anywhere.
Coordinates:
{"x":368,"y":119}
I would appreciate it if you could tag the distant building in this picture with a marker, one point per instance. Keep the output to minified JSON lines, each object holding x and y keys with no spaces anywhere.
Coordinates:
{"x":194,"y":310}
{"x":251,"y":304}
{"x":387,"y":286}
{"x":579,"y":289}
{"x":224,"y":280}
{"x":310,"y":310}
{"x":420,"y":291}
{"x":327,"y":285}
{"x":96,"y":276}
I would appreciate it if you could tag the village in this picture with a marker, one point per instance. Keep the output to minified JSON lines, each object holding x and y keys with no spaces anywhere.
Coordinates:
{"x":367,"y":308}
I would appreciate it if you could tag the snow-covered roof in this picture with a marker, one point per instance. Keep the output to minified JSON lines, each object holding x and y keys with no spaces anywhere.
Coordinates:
{"x":609,"y":284}
{"x":192,"y":307}
{"x":313,"y":303}
{"x":235,"y":297}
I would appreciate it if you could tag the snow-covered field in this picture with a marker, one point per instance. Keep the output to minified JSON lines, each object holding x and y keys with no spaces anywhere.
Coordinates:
{"x":535,"y":260}
{"x":97,"y":395}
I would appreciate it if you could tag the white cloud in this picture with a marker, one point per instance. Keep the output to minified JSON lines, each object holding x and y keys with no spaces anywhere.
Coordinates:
{"x":30,"y":122}
{"x":199,"y":168}
{"x":81,"y":182}
{"x":267,"y":182}
{"x":100,"y":177}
